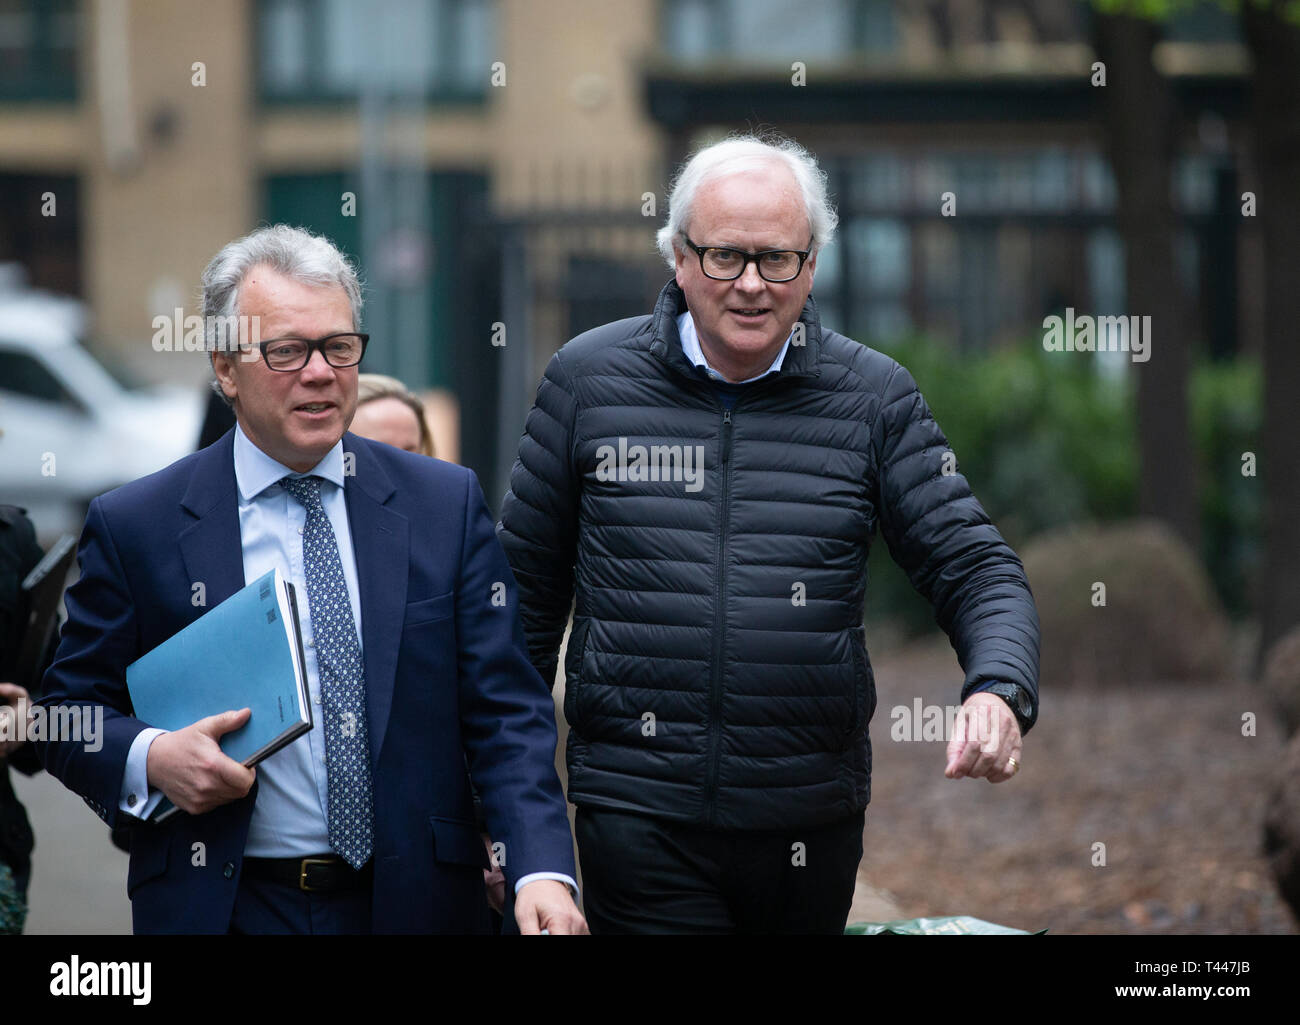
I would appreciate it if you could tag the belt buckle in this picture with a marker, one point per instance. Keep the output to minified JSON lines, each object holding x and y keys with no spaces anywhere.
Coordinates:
{"x":302,"y":872}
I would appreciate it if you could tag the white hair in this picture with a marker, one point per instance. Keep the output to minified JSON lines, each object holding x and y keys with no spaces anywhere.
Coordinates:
{"x":737,"y":155}
{"x":294,"y":252}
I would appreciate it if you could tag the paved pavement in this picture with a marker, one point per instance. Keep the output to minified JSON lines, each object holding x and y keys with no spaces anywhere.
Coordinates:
{"x":78,"y":876}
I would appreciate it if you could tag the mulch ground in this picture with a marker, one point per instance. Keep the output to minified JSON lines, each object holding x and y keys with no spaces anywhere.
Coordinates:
{"x":1158,"y":772}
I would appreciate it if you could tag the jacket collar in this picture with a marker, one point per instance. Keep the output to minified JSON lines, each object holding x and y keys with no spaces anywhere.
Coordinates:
{"x":213,"y":478}
{"x":666,"y":343}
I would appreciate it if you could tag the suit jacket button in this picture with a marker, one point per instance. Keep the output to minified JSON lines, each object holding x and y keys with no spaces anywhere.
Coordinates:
{"x":228,"y":869}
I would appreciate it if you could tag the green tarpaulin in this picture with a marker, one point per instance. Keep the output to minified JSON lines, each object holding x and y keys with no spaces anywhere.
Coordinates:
{"x":958,"y":925}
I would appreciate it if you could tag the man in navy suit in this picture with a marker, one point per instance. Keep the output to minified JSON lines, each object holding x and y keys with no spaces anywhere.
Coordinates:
{"x":416,"y":662}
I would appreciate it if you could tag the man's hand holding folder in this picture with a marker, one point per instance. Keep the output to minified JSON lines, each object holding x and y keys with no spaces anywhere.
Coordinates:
{"x":190,"y":768}
{"x":186,"y":684}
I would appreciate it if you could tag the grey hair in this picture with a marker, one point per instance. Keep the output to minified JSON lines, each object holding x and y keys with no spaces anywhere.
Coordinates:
{"x":293,"y":252}
{"x":741,"y":153}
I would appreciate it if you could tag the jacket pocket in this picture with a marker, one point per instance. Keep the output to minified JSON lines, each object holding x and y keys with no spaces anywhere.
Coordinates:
{"x":457,"y":842}
{"x":149,"y":851}
{"x":864,"y":686}
{"x":573,"y":657}
{"x":430,"y":610}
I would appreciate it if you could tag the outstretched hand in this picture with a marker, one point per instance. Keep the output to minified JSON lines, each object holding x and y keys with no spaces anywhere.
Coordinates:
{"x":985,"y":740}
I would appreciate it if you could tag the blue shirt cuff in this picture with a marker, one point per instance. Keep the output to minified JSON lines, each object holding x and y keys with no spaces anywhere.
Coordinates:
{"x":532,"y":877}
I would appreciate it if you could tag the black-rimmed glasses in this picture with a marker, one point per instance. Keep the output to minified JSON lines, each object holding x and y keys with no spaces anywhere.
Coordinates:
{"x":289,"y":354}
{"x":722,"y":263}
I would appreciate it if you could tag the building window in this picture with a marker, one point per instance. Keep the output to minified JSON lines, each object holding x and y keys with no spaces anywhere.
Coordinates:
{"x":38,"y":50}
{"x":47,"y":249}
{"x":336,"y":50}
{"x":776,"y":31}
{"x":978,"y":245}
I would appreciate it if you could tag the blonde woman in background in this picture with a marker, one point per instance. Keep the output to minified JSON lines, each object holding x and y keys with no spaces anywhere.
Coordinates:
{"x":387,"y":411}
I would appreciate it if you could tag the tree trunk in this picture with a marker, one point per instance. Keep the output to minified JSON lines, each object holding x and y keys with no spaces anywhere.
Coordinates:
{"x":1140,"y":123}
{"x":1275,"y":123}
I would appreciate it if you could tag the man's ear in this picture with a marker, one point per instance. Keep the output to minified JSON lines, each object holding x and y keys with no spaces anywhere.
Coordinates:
{"x":223,"y":366}
{"x":679,"y":261}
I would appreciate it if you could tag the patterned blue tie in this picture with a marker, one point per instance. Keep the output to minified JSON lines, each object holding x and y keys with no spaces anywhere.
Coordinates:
{"x":342,"y":680}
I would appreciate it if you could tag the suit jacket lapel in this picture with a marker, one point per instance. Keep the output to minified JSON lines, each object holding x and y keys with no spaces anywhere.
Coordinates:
{"x":382,"y":543}
{"x":211,"y":547}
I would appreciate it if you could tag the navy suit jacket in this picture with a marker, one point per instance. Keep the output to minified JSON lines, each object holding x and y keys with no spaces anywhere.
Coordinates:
{"x":447,"y":678}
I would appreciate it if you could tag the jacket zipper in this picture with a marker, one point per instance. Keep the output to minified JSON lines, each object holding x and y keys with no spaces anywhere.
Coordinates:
{"x":719,"y":627}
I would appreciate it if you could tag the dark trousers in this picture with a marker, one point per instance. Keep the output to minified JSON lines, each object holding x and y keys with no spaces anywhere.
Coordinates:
{"x":267,"y":907}
{"x":649,"y":875}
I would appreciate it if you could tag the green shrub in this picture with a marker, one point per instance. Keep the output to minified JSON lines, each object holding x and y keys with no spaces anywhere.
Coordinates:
{"x":1046,"y":441}
{"x":1227,"y":414}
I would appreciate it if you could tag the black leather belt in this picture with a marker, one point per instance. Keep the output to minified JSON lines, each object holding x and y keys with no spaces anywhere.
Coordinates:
{"x":320,"y":873}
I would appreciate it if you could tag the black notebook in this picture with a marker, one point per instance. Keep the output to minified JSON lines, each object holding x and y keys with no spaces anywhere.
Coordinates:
{"x":43,"y":588}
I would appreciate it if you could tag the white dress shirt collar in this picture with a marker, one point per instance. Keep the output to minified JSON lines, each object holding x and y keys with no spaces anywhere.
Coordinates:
{"x":691,"y":347}
{"x":255,"y":471}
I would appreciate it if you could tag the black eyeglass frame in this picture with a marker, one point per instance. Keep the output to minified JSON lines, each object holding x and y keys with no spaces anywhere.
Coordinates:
{"x":312,"y":346}
{"x":803,"y":255}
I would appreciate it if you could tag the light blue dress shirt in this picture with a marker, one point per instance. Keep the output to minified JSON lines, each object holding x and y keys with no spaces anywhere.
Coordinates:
{"x":691,"y":347}
{"x":290,"y":815}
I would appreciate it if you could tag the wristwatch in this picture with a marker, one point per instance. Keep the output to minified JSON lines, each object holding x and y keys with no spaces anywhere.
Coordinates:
{"x":1022,"y":705}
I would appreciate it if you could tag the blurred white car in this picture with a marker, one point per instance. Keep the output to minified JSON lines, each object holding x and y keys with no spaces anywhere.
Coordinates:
{"x":70,"y":429}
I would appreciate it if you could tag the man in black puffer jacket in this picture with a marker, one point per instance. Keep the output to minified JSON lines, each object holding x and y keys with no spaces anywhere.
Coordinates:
{"x":710,"y":478}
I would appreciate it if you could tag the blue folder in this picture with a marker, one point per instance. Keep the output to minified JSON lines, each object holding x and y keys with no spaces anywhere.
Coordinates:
{"x":244,"y":653}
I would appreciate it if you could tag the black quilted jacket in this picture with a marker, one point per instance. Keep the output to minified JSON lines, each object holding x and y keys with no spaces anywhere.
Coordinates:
{"x":717,"y":672}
